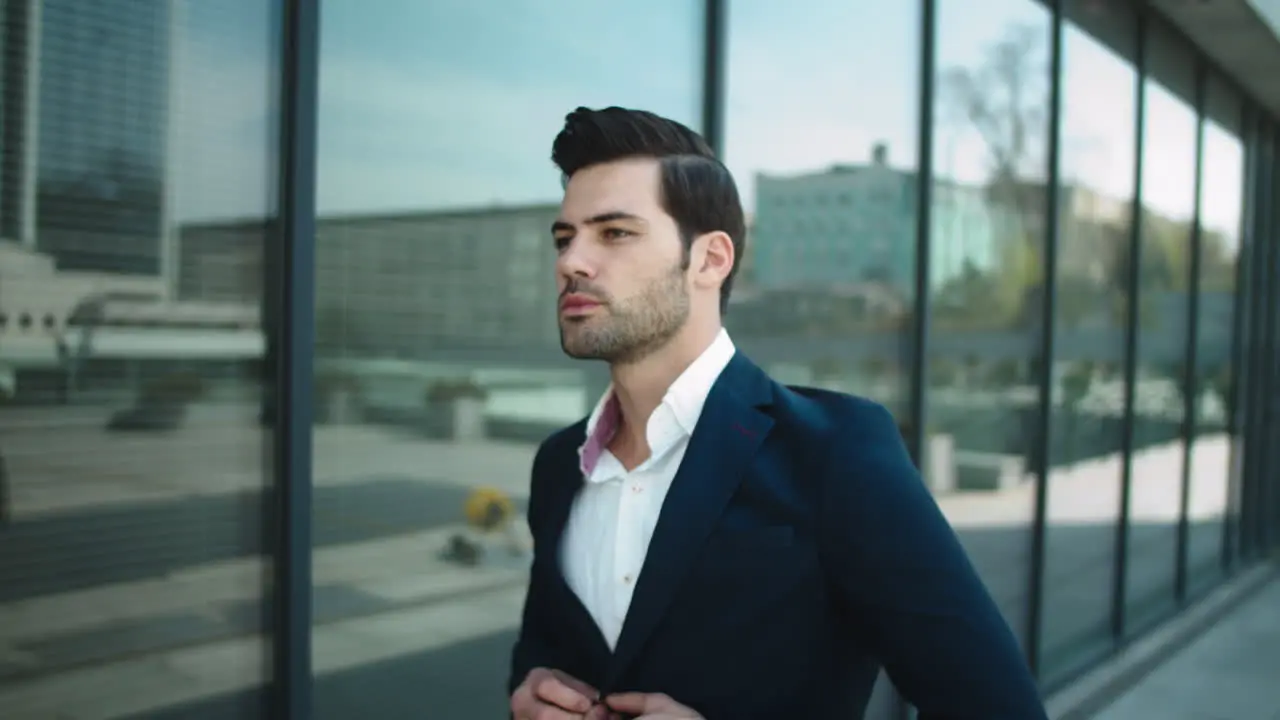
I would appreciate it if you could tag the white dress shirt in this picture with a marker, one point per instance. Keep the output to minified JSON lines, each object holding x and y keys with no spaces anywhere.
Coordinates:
{"x":614,"y":514}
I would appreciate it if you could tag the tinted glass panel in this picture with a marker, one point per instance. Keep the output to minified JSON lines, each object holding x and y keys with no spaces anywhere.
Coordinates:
{"x":1221,"y":205}
{"x":991,"y":134}
{"x":827,"y":169}
{"x":1094,"y":205}
{"x":439,"y":369}
{"x":133,"y":467}
{"x":1163,"y":297}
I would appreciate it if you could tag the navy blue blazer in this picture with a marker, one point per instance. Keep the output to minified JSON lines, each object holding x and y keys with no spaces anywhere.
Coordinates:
{"x":796,"y":554}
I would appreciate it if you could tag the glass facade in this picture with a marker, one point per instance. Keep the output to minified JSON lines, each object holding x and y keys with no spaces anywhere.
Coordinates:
{"x":277,"y":329}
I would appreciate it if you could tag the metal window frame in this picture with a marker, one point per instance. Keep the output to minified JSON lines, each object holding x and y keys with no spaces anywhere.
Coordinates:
{"x":715,"y":53}
{"x":1259,"y":295}
{"x":1270,"y":505}
{"x":1265,"y":392}
{"x":1120,"y":560}
{"x":1040,"y":465}
{"x":1263,"y":481}
{"x":1191,"y":352}
{"x":292,"y":289}
{"x":290,"y":692}
{"x":921,"y":317}
{"x":1254,"y":166}
{"x":1254,"y":441}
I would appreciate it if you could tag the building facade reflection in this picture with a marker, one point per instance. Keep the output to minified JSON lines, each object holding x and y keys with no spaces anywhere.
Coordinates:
{"x":1057,"y":282}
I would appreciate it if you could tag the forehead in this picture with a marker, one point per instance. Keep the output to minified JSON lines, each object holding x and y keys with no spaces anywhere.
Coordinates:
{"x":623,"y":185}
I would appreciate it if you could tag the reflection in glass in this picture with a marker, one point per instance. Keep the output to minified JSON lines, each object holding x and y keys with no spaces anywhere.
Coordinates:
{"x":1094,"y":206}
{"x":1221,"y":203}
{"x":132,"y":463}
{"x":987,"y":250}
{"x":1163,"y":296}
{"x":438,"y":363}
{"x":827,"y":171}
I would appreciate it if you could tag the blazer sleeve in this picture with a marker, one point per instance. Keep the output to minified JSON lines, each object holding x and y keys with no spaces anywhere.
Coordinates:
{"x":910,"y":593}
{"x":531,"y":649}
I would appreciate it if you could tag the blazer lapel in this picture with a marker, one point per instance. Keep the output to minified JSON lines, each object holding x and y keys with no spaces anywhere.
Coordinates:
{"x":720,"y":451}
{"x":565,"y":481}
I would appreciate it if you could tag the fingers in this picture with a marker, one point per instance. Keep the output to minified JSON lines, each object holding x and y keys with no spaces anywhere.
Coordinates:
{"x":640,"y":703}
{"x":577,"y":685}
{"x":552,"y":695}
{"x":560,"y":691}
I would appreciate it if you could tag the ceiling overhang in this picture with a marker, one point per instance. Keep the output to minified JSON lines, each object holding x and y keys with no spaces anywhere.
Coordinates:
{"x":1242,"y":37}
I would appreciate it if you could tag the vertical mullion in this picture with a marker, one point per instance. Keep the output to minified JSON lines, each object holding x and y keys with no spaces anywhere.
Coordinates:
{"x":296,"y":263}
{"x":1189,"y":384}
{"x":1254,"y":146}
{"x":1254,"y":442}
{"x":920,"y":329}
{"x":1255,"y":252}
{"x":713,"y":73}
{"x":1050,"y":295}
{"x":924,"y":213}
{"x":1264,"y":472}
{"x":1133,"y":293}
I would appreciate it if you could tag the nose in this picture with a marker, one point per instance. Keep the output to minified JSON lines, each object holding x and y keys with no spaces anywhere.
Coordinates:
{"x":574,"y":262}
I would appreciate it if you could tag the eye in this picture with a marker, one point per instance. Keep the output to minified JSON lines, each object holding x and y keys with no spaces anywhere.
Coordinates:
{"x":616,"y":233}
{"x":561,"y":242}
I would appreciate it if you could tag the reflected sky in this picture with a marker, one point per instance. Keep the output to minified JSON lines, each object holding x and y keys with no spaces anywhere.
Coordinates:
{"x":452,"y":103}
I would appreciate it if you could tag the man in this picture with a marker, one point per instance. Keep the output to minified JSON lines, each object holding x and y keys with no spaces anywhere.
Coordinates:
{"x":709,"y":543}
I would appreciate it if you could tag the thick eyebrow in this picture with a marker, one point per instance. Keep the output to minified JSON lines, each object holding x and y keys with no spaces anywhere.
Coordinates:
{"x":612,"y":216}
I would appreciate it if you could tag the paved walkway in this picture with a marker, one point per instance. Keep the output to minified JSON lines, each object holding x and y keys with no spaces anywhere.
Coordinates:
{"x":1232,"y":672}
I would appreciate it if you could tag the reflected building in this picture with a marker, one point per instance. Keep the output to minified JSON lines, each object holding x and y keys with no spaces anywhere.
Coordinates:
{"x":856,"y":225}
{"x":402,"y":284}
{"x":87,"y":88}
{"x":86,"y":187}
{"x":851,"y":223}
{"x":1102,"y":440}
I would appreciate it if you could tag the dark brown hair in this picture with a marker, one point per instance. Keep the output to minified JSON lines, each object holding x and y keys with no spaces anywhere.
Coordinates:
{"x":697,"y":190}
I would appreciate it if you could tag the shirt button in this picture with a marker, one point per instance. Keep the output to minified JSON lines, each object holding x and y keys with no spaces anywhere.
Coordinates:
{"x":626,"y":579}
{"x":637,"y":489}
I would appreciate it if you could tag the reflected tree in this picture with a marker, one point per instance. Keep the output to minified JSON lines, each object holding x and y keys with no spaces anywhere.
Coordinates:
{"x":1003,"y":100}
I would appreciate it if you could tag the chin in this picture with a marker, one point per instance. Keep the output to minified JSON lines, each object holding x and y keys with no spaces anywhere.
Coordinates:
{"x":580,"y":353}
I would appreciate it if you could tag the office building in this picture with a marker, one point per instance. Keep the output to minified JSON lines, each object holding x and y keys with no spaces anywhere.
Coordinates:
{"x":1043,"y":234}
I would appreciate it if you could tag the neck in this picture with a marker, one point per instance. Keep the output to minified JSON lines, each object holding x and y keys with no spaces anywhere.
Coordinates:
{"x":640,"y":386}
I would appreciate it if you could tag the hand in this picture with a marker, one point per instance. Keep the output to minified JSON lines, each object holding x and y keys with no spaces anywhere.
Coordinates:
{"x":553,"y":695}
{"x":650,"y":706}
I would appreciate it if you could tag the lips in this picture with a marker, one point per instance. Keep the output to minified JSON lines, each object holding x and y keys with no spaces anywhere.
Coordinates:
{"x":577,"y":304}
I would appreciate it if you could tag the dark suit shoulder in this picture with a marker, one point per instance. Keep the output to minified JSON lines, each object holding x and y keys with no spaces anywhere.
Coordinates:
{"x":856,"y":444}
{"x":836,"y":416}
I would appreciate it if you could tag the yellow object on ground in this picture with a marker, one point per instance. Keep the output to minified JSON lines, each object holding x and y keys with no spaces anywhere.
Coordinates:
{"x":488,"y":509}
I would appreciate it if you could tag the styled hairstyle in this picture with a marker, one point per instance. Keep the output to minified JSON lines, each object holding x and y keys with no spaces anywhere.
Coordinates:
{"x":696,"y":189}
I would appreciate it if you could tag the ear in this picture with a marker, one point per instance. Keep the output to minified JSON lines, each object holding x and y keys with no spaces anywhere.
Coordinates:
{"x":712,"y":259}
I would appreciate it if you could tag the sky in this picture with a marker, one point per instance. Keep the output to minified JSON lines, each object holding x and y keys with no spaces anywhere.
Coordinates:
{"x":448,"y":103}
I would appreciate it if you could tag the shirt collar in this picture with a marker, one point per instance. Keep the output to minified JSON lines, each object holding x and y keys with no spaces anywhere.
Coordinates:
{"x":683,"y":403}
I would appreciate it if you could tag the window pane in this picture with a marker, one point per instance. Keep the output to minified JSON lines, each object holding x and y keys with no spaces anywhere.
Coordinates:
{"x":1164,"y":286}
{"x":990,"y":137}
{"x":827,"y":169}
{"x":439,"y":369}
{"x":132,"y":462}
{"x":1221,"y":204}
{"x":1096,"y":142}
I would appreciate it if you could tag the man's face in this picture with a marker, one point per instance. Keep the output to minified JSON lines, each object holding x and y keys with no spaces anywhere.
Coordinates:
{"x":621,"y":271}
